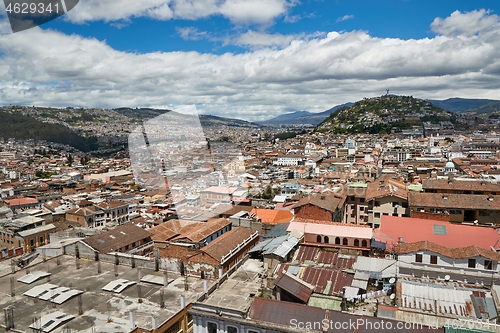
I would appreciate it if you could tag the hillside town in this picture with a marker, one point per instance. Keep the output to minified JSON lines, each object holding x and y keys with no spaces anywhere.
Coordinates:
{"x":232,"y":229}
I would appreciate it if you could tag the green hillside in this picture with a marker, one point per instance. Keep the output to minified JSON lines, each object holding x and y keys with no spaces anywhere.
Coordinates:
{"x":16,"y":125}
{"x":384,"y":114}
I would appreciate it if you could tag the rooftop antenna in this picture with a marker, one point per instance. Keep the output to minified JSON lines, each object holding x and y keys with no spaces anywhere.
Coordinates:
{"x":387,"y":92}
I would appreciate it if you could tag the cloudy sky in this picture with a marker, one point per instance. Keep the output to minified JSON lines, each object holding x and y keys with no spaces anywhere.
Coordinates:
{"x":252,"y":59}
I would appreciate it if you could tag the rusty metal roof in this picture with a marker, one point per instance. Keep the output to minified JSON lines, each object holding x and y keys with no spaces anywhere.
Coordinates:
{"x":294,"y":286}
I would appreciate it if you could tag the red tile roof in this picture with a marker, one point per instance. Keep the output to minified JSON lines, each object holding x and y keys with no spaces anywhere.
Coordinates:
{"x":415,"y":230}
{"x":222,"y":245}
{"x":454,"y":253}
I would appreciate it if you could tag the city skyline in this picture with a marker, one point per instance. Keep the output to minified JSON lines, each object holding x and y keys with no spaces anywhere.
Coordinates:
{"x":252,"y":61}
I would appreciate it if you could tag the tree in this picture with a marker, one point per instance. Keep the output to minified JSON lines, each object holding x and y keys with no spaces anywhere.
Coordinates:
{"x":268,"y":193}
{"x":70,"y":160}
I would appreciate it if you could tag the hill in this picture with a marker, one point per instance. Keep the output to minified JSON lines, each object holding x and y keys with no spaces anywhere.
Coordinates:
{"x":461,"y":104}
{"x":384,"y":114}
{"x":205,"y":120}
{"x":301,"y":117}
{"x":19,"y":126}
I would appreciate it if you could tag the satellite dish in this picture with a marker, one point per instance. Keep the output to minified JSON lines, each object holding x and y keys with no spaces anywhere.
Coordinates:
{"x":393,"y":296}
{"x":447,"y":278}
{"x":392,"y":280}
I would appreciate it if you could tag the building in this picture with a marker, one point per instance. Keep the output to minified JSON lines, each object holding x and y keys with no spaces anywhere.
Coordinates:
{"x":462,"y":208}
{"x":288,"y":160}
{"x":394,"y":230}
{"x":338,"y":235}
{"x":356,"y":207}
{"x":115,"y":212}
{"x":87,"y":217}
{"x":217,"y":194}
{"x":126,"y":238}
{"x":386,"y":197}
{"x":325,"y":206}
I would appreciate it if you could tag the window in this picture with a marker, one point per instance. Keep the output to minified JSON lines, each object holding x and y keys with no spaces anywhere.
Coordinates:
{"x":364,"y":243}
{"x":232,"y":329}
{"x":337,"y":240}
{"x":385,"y":214}
{"x":361,"y":199}
{"x":404,"y":204}
{"x":455,"y":212}
{"x":488,"y":264}
{"x":377,"y":203}
{"x":361,"y":209}
{"x":344,"y":241}
{"x":211,"y":327}
{"x":484,"y":213}
{"x":376,"y":215}
{"x":352,"y":207}
{"x":356,"y":242}
{"x":327,"y":240}
{"x":318,"y":239}
{"x":434,"y":260}
{"x":472,"y":263}
{"x":41,"y":239}
{"x":395,"y":204}
{"x":418,"y":257}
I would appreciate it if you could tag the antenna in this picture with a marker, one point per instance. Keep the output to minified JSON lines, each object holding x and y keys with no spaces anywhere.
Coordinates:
{"x":387,"y":92}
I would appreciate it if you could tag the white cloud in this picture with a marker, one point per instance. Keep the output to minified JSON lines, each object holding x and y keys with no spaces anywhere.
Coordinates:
{"x":283,"y":73}
{"x":468,"y":23}
{"x":344,"y":18}
{"x":240,"y":12}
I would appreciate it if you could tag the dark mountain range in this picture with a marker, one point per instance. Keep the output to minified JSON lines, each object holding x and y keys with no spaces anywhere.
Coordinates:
{"x":461,"y":104}
{"x":206,"y":120}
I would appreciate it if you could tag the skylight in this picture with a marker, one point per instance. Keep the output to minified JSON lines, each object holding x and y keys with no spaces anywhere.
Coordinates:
{"x":439,"y":229}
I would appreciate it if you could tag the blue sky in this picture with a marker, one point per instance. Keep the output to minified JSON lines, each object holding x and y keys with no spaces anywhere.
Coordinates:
{"x":252,"y":59}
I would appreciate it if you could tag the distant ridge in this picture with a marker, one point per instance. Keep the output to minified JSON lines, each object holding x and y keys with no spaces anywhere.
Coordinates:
{"x":457,"y":104}
{"x":302,"y":117}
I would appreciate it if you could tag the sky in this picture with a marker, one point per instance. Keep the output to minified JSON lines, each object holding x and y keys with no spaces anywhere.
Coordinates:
{"x":252,"y":59}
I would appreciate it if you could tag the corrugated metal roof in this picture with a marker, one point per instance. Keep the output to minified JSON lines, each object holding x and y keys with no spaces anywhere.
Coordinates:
{"x":279,"y":246}
{"x":380,"y":268}
{"x":294,"y":286}
{"x":282,"y":313}
{"x":323,"y":256}
{"x":327,"y":281}
{"x":445,"y":299}
{"x":277,"y":231}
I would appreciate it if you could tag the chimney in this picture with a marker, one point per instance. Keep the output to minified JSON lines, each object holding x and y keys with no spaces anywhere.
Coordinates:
{"x":132,"y":319}
{"x":183,"y":301}
{"x":401,"y":239}
{"x":154,"y":322}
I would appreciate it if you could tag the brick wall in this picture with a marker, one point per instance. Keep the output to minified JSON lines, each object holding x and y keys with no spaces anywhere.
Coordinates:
{"x":431,"y":216}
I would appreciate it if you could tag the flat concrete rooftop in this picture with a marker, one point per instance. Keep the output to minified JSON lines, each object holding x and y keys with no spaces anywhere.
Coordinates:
{"x":236,"y":293}
{"x":103,"y":311}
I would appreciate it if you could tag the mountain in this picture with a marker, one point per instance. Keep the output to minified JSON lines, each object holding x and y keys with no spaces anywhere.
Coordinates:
{"x":485,"y":110}
{"x":460,"y":104}
{"x":301,"y":117}
{"x":384,"y":114}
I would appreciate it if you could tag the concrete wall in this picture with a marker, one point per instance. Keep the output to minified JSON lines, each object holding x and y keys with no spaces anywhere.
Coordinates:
{"x":443,"y":261}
